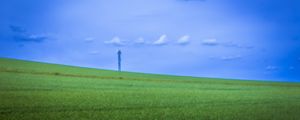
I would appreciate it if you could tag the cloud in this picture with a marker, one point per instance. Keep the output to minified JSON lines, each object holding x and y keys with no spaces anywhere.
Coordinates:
{"x":161,"y":41}
{"x":210,"y":42}
{"x":184,"y":40}
{"x":271,"y":68}
{"x":94,"y":52}
{"x":140,"y":40}
{"x":21,"y":35}
{"x":231,"y":44}
{"x":291,"y":68}
{"x":214,"y":42}
{"x":89,"y":39}
{"x":192,"y":0}
{"x":229,"y":58}
{"x":115,"y":41}
{"x":226,"y":58}
{"x":17,"y":29}
{"x":30,"y":38}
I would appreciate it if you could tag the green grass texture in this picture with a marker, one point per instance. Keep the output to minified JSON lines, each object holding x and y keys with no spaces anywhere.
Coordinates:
{"x":41,"y":91}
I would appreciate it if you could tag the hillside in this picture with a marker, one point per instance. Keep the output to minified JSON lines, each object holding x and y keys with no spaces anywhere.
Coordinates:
{"x":33,"y":91}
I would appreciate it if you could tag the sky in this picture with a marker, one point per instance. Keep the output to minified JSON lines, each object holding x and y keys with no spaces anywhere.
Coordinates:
{"x":237,"y":39}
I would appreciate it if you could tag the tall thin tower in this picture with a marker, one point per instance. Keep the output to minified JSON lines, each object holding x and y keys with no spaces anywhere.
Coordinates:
{"x":119,"y":60}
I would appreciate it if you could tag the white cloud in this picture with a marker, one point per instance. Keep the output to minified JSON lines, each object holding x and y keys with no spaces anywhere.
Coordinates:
{"x":89,"y":39}
{"x":210,"y":42}
{"x":193,"y":0}
{"x":233,"y":57}
{"x":271,"y":68}
{"x":183,"y":40}
{"x":235,"y":45}
{"x":161,"y":41}
{"x":140,"y":40}
{"x":30,"y":38}
{"x":292,"y":68}
{"x":21,"y":35}
{"x":94,"y":52}
{"x":115,"y":41}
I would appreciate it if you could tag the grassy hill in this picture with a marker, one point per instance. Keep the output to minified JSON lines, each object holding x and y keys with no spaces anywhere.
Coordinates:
{"x":40,"y":91}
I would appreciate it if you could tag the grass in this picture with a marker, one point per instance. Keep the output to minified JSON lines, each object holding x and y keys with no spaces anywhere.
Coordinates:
{"x":40,"y":91}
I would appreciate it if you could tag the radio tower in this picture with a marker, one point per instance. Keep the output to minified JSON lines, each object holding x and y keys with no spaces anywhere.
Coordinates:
{"x":119,"y":60}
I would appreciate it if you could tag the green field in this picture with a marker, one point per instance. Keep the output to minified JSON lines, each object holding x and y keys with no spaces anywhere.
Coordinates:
{"x":39,"y":91}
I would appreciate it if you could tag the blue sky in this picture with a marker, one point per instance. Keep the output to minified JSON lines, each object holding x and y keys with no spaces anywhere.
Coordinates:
{"x":241,"y":39}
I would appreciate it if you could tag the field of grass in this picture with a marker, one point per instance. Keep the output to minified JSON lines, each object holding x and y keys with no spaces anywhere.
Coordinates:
{"x":39,"y":91}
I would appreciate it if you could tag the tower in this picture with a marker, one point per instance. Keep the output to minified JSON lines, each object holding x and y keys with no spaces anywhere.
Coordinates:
{"x":119,"y":60}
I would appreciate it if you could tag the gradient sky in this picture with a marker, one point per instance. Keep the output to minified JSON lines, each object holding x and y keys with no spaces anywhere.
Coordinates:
{"x":241,"y":39}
